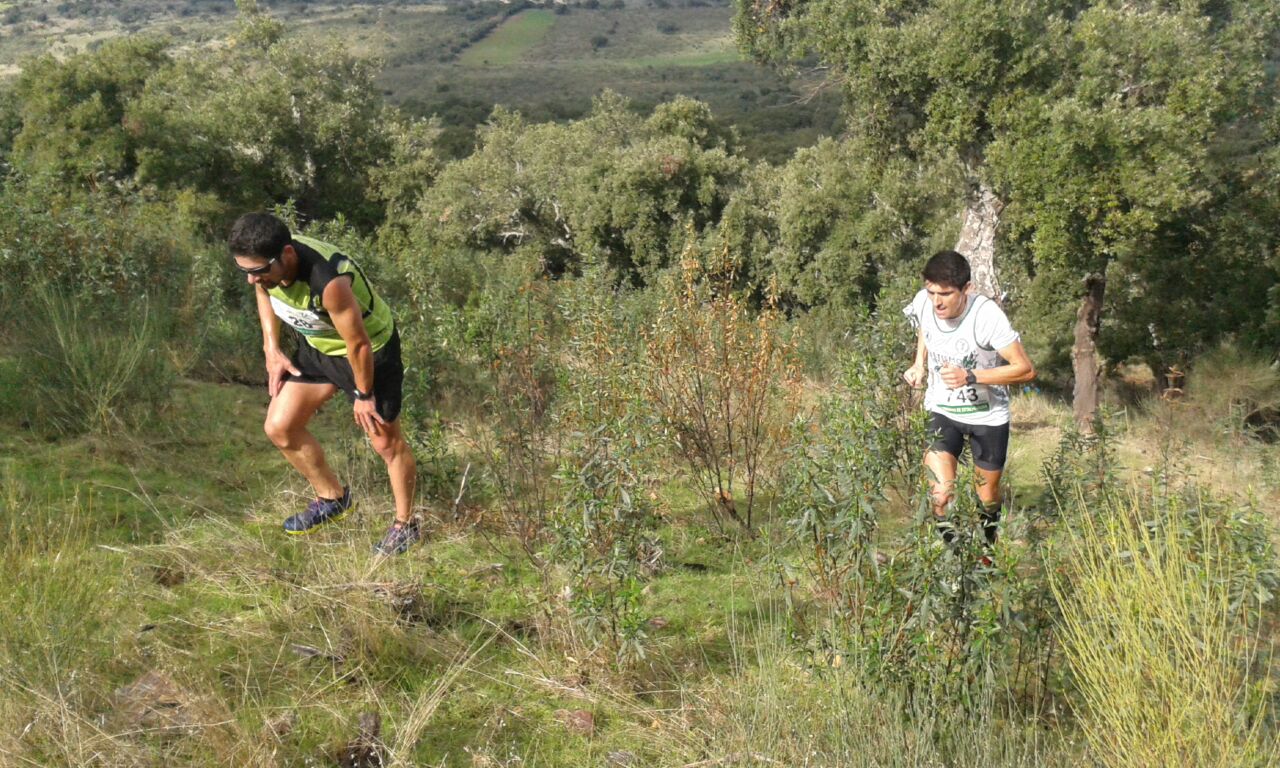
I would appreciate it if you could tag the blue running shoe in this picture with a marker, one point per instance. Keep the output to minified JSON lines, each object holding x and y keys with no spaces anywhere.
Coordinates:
{"x":319,"y":512}
{"x":398,"y":538}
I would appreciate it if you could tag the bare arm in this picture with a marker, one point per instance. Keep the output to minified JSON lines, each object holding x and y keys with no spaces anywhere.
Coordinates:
{"x":277,"y":362}
{"x":915,"y":375}
{"x":344,"y":312}
{"x":1016,"y":370}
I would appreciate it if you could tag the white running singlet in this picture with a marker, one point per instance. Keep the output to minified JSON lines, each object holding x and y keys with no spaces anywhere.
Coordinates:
{"x":969,"y":341}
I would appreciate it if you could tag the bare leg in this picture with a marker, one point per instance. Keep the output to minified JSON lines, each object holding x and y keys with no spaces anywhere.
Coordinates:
{"x":987,"y":484}
{"x":390,"y":444}
{"x":286,"y":425}
{"x":942,"y":480}
{"x":941,"y":468}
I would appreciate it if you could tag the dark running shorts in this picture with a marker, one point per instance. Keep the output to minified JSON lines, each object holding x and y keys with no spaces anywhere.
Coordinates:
{"x":989,"y":445}
{"x":388,"y":373}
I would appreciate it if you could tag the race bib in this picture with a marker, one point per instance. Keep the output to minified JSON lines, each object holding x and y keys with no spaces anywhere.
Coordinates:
{"x":304,"y":321}
{"x":968,"y":398}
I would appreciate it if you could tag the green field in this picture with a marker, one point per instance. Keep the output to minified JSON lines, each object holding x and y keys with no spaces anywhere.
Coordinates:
{"x":458,"y":62}
{"x":649,"y":55}
{"x":511,"y":41}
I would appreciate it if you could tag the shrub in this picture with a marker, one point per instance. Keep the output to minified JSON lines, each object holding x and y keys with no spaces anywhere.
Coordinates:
{"x":722,"y":383}
{"x":604,"y":522}
{"x":1156,"y":596}
{"x":916,"y":615}
{"x":857,"y":457}
{"x":104,"y":251}
{"x":102,"y":244}
{"x":507,"y":335}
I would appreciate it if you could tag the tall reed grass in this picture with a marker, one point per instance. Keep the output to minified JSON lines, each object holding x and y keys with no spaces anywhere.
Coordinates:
{"x":1156,"y":643}
{"x":92,"y":366}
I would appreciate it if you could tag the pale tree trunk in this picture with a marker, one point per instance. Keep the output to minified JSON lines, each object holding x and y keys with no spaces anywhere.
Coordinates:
{"x":977,"y":241}
{"x":1084,"y":353}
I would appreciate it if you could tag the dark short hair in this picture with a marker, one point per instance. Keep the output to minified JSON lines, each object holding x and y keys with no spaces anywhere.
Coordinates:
{"x":947,"y":268}
{"x":259,"y":234}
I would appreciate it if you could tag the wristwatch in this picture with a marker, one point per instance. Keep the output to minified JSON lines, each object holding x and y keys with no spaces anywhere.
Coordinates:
{"x":363,"y":395}
{"x":970,"y":377}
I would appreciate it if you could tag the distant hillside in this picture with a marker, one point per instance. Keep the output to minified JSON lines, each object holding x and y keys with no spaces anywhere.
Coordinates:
{"x":459,"y":59}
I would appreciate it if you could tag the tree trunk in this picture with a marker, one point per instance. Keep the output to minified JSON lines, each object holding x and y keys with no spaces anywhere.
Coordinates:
{"x":977,"y":241}
{"x":1084,"y":353}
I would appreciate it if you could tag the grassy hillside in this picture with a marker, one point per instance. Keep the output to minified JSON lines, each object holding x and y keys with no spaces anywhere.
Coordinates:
{"x":157,"y":615}
{"x":671,"y":525}
{"x":457,"y":60}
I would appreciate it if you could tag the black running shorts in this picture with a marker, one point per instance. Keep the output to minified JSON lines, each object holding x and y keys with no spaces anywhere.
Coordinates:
{"x":388,"y":373}
{"x":989,"y":444}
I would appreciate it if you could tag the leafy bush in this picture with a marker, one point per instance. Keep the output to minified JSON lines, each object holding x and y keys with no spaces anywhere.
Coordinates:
{"x":612,"y":189}
{"x":911,"y":612}
{"x":104,"y":244}
{"x":73,"y":122}
{"x":859,"y":455}
{"x":604,"y":523}
{"x":915,"y":614}
{"x":525,"y":378}
{"x":108,"y":252}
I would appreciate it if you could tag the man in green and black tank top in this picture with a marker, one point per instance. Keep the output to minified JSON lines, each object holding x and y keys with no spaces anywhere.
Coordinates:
{"x":347,"y":340}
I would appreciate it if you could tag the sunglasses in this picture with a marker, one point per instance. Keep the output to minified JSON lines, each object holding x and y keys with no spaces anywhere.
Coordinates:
{"x":264,"y":269}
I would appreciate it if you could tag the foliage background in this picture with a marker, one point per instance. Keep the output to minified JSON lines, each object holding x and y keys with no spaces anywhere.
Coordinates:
{"x":558,"y":280}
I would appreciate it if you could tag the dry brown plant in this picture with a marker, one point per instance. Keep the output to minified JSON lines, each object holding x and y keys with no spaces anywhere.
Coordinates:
{"x":723,"y":383}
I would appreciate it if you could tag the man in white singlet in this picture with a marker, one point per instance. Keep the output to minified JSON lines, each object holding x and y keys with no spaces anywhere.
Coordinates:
{"x":966,"y":354}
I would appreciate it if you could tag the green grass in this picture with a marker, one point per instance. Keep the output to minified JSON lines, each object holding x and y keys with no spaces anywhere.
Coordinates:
{"x":512,"y":40}
{"x":160,"y":551}
{"x":693,"y":59}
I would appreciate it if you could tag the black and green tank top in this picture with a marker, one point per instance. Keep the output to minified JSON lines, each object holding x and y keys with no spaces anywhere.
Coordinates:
{"x":300,"y":304}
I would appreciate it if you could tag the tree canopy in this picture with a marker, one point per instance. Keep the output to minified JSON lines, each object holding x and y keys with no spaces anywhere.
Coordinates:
{"x":1119,"y":138}
{"x":1132,"y":144}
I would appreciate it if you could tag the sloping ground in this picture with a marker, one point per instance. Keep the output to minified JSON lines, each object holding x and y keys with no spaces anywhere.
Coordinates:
{"x":155,"y":611}
{"x":156,"y":615}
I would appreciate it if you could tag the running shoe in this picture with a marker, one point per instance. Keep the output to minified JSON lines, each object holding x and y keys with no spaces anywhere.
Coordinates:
{"x":319,"y":512}
{"x":398,"y":538}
